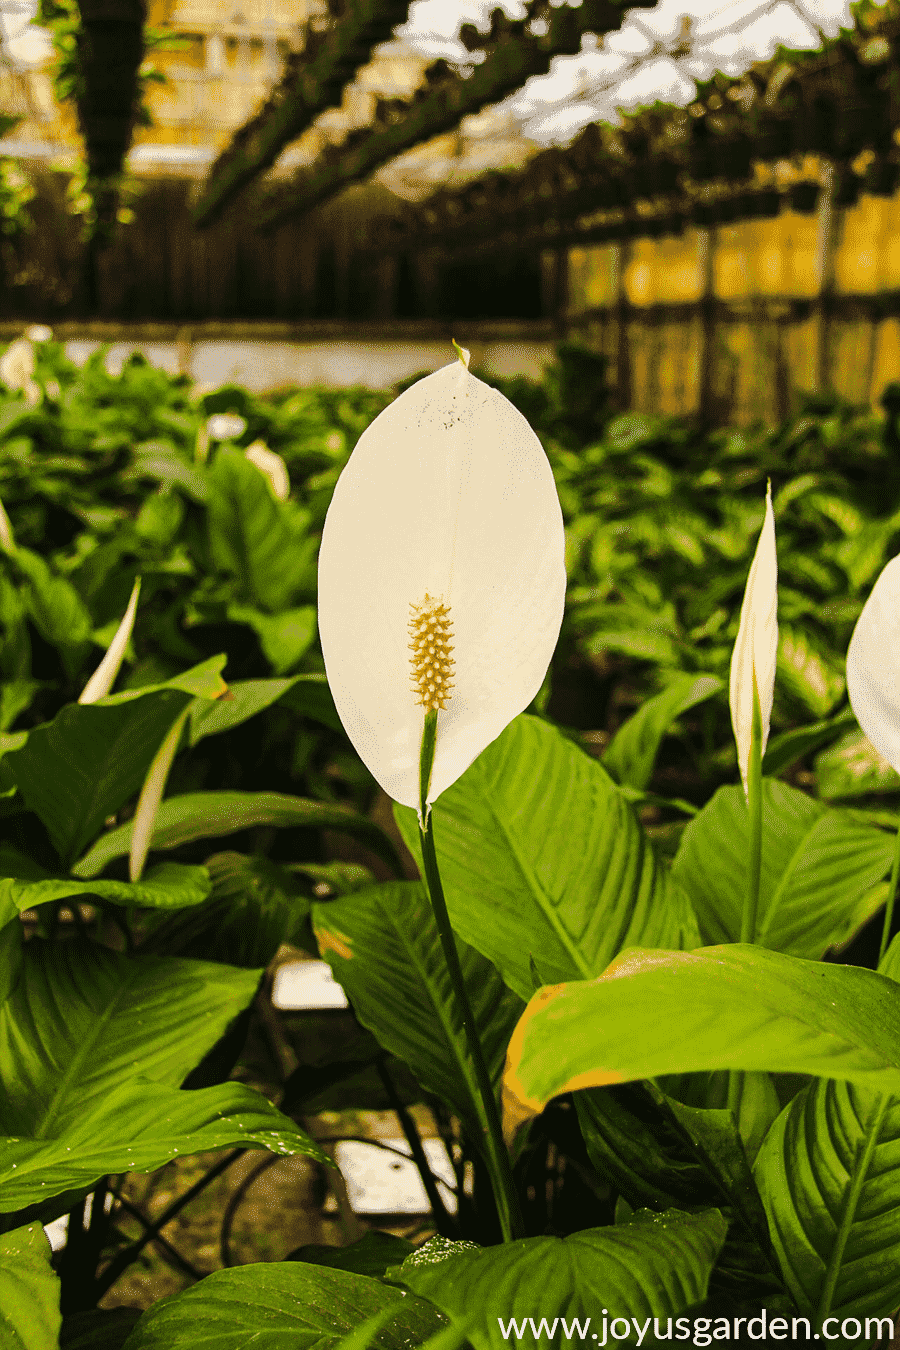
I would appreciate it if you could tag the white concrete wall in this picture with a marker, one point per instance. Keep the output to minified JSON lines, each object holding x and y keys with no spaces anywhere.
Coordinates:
{"x":262,"y":364}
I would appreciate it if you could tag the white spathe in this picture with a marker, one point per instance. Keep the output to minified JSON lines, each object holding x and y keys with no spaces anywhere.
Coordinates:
{"x":873,"y":666}
{"x":104,"y":677}
{"x":225,"y":426}
{"x":273,"y":466}
{"x":448,"y":492}
{"x":756,"y":649}
{"x":17,"y":370}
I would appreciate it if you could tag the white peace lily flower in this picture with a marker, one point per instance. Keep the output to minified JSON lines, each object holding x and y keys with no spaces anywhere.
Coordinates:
{"x":225,"y":426}
{"x":17,"y":364}
{"x":104,"y":677}
{"x":39,"y":332}
{"x":273,"y":466}
{"x":442,"y":554}
{"x":873,"y":662}
{"x":756,"y":649}
{"x":145,"y":812}
{"x":7,"y":539}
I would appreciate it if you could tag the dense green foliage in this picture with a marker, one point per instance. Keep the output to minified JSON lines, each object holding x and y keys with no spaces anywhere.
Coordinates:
{"x":110,"y":476}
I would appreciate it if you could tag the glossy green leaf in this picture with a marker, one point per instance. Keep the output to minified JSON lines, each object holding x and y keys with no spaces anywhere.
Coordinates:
{"x":655,"y":1266}
{"x":540,"y":855}
{"x":383,"y":946}
{"x":245,"y":698}
{"x":631,"y":754}
{"x":203,"y":681}
{"x":788,"y":747}
{"x":820,"y":868}
{"x":167,"y":886}
{"x":309,"y":696}
{"x":12,"y":942}
{"x":305,"y":1308}
{"x":137,"y":1126}
{"x":250,"y":533}
{"x":853,"y":768}
{"x":829,"y":1175}
{"x":371,"y":1254}
{"x":29,"y":1291}
{"x":651,"y":643}
{"x":95,"y":1018}
{"x":160,"y":518}
{"x":89,"y":761}
{"x":53,"y":603}
{"x":728,"y":1007}
{"x":209,"y":815}
{"x":285,"y":637}
{"x":255,"y":905}
{"x":161,"y":462}
{"x":807,"y":673}
{"x":659,"y":1152}
{"x":808,"y":1171}
{"x":98,"y":1329}
{"x":633,"y":1148}
{"x":15,"y":697}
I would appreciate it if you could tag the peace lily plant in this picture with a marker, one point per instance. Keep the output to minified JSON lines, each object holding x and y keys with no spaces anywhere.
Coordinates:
{"x":616,"y":985}
{"x":441,"y":592}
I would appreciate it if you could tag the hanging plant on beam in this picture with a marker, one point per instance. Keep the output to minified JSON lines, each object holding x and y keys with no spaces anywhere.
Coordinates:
{"x":515,"y":53}
{"x":313,"y":81}
{"x":110,"y":51}
{"x":695,"y":162}
{"x":100,"y":47}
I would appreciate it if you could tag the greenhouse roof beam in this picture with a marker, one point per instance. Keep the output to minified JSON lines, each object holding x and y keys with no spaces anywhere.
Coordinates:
{"x":313,"y":81}
{"x":440,"y":105}
{"x":701,"y":163}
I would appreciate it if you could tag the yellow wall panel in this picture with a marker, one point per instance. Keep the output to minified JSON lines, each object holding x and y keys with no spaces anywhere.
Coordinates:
{"x":678,"y":367}
{"x":890,"y":245}
{"x":766,"y":261}
{"x":858,"y":256}
{"x":665,"y":271}
{"x":731,"y":278}
{"x":592,"y":277}
{"x":680,"y":267}
{"x":800,"y":275}
{"x":850,"y":357}
{"x":801,"y":350}
{"x":639,"y":273}
{"x":641,"y":357}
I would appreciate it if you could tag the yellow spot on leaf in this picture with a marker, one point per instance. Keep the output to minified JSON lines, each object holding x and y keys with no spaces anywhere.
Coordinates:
{"x":518,"y":1105}
{"x":334,"y":942}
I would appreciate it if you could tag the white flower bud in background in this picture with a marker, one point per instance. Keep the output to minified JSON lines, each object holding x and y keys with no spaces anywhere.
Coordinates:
{"x":17,"y":364}
{"x":104,"y":677}
{"x":273,"y":466}
{"x":756,"y":649}
{"x":873,"y":666}
{"x":7,"y":539}
{"x":225,"y":426}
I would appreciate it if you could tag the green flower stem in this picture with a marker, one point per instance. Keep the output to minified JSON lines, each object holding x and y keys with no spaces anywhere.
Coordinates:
{"x":754,"y":863}
{"x":754,"y":806}
{"x":891,"y":897}
{"x":497,"y":1156}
